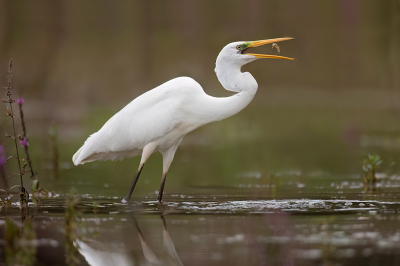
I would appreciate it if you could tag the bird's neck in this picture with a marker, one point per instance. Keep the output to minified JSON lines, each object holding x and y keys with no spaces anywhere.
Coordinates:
{"x":232,"y":79}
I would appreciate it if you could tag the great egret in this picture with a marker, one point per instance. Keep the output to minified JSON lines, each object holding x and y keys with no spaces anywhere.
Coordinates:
{"x":158,"y":119}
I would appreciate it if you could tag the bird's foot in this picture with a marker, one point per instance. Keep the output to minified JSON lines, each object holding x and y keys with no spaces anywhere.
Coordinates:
{"x":125,"y":200}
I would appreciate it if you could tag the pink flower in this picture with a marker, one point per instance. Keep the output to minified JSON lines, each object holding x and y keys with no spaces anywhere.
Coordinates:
{"x":24,"y":143}
{"x":20,"y":101}
{"x":2,"y":156}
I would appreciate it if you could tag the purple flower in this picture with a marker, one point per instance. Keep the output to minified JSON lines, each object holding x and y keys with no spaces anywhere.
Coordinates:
{"x":2,"y":156}
{"x":24,"y":143}
{"x":20,"y":101}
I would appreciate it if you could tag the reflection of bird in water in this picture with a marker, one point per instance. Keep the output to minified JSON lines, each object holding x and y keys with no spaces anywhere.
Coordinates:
{"x":170,"y":258}
{"x":158,"y":119}
{"x":99,"y":254}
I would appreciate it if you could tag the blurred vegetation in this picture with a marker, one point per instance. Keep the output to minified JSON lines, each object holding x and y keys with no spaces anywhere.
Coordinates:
{"x":79,"y":62}
{"x":77,"y":53}
{"x":370,"y":166}
{"x":71,"y":227}
{"x":20,"y":248}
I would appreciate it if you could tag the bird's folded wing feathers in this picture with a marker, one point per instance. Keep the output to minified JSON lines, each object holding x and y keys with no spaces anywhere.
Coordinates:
{"x":146,"y":118}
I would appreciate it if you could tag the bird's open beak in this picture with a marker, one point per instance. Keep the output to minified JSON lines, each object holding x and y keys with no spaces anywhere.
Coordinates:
{"x":262,"y":42}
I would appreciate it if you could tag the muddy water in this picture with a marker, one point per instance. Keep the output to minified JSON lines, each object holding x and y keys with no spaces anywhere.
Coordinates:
{"x":335,"y":221}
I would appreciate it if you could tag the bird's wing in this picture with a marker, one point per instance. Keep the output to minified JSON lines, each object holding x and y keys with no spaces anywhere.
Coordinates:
{"x":144,"y":120}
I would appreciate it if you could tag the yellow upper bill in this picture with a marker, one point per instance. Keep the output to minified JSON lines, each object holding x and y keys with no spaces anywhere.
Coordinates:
{"x":262,"y":42}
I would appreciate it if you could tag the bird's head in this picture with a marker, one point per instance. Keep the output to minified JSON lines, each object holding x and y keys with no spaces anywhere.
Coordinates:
{"x":237,"y":53}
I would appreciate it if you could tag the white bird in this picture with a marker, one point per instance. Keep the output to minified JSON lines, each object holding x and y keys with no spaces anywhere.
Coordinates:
{"x":158,"y":119}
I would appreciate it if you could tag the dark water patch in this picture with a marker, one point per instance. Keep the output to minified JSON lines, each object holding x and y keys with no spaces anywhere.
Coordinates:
{"x":202,"y":229}
{"x":320,"y":219}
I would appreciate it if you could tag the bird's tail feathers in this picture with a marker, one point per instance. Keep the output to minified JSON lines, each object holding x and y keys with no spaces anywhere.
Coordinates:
{"x":76,"y":156}
{"x":84,"y":152}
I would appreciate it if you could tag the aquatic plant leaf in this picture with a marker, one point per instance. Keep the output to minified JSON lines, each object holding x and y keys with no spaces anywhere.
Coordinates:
{"x":35,"y":185}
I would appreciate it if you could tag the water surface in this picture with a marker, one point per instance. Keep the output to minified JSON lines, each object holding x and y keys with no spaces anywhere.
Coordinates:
{"x":335,"y":221}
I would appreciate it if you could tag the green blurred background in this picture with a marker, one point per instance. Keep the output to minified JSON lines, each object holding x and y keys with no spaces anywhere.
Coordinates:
{"x":76,"y":63}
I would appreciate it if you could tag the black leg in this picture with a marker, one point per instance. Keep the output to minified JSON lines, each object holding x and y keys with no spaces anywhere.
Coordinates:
{"x":129,"y":194}
{"x":137,"y":226}
{"x":163,"y":222}
{"x":160,"y":193}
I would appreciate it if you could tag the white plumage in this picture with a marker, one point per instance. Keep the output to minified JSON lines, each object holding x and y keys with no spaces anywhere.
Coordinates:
{"x":158,"y":119}
{"x":155,"y":116}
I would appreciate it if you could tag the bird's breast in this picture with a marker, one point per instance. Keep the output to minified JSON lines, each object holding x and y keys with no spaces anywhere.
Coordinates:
{"x":174,"y":136}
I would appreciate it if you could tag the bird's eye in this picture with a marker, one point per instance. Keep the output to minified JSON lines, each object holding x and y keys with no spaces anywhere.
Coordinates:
{"x":238,"y":47}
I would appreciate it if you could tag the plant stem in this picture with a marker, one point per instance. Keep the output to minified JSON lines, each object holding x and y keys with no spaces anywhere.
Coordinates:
{"x":28,"y":158}
{"x":13,"y":122}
